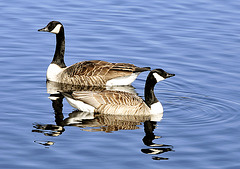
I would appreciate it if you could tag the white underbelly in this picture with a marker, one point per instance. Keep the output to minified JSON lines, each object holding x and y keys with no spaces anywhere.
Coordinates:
{"x":80,"y":105}
{"x":125,"y":80}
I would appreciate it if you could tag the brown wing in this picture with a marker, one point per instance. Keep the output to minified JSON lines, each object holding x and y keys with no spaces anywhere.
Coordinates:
{"x":101,"y":70}
{"x":113,"y":102}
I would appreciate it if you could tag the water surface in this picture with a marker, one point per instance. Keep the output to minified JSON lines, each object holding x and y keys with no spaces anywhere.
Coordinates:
{"x":196,"y":40}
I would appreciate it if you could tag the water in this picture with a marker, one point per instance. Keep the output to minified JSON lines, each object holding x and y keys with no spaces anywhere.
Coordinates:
{"x":196,"y":40}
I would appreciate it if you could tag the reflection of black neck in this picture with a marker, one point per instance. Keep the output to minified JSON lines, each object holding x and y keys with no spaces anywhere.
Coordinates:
{"x":58,"y":107}
{"x":149,"y":127}
{"x":149,"y":95}
{"x":60,"y":49}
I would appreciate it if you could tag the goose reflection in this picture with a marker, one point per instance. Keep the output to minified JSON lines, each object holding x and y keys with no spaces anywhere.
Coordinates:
{"x":91,"y":122}
{"x":88,"y":121}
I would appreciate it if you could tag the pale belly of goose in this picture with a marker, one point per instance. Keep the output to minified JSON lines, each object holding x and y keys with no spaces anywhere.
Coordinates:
{"x":125,"y":80}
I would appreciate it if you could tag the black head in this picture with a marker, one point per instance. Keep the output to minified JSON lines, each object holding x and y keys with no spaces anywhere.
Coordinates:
{"x":53,"y":27}
{"x":160,"y":74}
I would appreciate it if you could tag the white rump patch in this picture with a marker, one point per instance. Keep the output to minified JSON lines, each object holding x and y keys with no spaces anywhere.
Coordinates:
{"x":56,"y":30}
{"x":125,"y":80}
{"x":158,"y":77}
{"x":53,"y":71}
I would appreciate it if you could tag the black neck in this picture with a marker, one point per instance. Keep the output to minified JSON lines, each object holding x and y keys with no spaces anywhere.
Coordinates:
{"x":60,"y":49}
{"x":149,"y":95}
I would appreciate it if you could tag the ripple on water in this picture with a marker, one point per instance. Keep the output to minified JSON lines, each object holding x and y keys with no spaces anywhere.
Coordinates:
{"x":193,"y":109}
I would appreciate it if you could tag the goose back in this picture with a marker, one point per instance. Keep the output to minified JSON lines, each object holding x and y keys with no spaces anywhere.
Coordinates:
{"x":97,"y":73}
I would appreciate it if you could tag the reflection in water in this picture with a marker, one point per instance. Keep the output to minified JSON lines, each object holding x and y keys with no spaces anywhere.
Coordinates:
{"x":45,"y":143}
{"x":106,"y":123}
{"x":56,"y":88}
{"x":98,"y":122}
{"x":149,"y":127}
{"x":52,"y":129}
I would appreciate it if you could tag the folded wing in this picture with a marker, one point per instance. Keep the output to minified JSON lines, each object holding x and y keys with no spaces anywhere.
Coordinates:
{"x":113,"y":102}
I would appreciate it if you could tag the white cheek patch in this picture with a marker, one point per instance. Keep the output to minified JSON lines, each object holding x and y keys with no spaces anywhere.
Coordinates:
{"x":56,"y":30}
{"x":158,"y":77}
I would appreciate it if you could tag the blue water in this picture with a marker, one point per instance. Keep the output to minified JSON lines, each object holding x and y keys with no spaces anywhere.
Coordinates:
{"x":197,"y":40}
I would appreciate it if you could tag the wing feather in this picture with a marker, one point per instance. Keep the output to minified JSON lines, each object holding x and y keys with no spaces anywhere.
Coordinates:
{"x":113,"y":102}
{"x":101,"y":69}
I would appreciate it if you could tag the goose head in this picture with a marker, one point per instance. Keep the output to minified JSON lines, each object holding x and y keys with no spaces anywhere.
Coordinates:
{"x":153,"y":78}
{"x":53,"y":27}
{"x":57,"y":63}
{"x":158,"y":75}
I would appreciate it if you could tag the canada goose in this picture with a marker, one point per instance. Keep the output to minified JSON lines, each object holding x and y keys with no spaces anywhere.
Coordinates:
{"x":118,"y":102}
{"x":87,"y":73}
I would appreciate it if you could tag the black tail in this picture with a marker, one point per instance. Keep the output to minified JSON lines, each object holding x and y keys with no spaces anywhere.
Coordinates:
{"x":142,"y":69}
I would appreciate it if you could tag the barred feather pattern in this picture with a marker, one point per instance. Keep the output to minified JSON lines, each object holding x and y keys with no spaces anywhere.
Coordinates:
{"x":105,"y":122}
{"x":96,"y":72}
{"x":109,"y":123}
{"x":113,"y":102}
